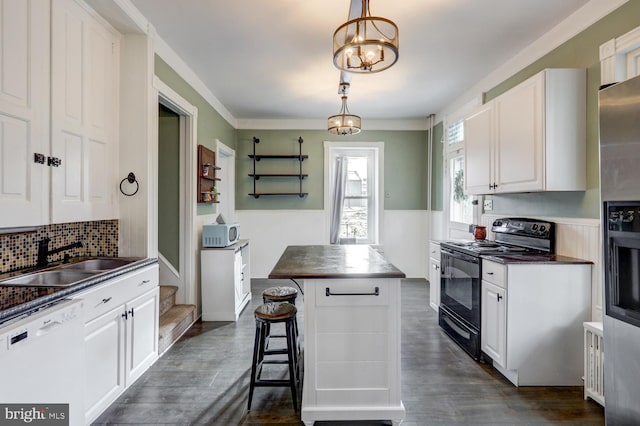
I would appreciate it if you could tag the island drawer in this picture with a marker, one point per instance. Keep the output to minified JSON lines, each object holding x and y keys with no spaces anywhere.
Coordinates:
{"x":352,"y":292}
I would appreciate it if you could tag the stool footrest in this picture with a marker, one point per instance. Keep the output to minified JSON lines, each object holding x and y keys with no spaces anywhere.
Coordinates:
{"x":275,"y":352}
{"x":276,"y":361}
{"x":267,"y":383}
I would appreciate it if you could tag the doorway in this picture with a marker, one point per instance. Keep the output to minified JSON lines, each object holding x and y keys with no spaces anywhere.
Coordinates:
{"x":177,"y":233}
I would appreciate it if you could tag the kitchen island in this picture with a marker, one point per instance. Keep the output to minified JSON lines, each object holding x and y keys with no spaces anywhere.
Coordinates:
{"x":351,"y":332}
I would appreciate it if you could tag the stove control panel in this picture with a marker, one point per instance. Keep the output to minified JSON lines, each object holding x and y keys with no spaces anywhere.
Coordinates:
{"x":523,"y":227}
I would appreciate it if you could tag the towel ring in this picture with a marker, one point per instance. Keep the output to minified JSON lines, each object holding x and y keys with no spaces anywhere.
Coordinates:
{"x":131,"y":178}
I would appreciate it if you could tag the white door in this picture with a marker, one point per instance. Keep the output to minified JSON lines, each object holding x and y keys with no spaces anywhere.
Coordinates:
{"x":24,"y":112}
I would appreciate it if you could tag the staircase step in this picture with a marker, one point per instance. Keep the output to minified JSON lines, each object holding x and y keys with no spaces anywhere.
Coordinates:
{"x":174,"y":323}
{"x":167,"y":297}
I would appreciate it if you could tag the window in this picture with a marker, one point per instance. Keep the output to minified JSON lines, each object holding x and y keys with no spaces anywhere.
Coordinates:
{"x":460,"y":206}
{"x":352,"y":192}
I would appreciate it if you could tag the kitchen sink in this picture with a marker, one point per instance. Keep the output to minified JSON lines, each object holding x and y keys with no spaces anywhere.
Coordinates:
{"x":98,"y":264}
{"x":58,"y":278}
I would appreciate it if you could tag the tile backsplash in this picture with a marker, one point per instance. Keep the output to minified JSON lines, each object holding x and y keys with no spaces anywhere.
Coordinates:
{"x":20,"y":250}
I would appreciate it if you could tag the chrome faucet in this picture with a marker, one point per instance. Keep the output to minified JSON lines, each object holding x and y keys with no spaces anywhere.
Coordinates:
{"x":44,"y":252}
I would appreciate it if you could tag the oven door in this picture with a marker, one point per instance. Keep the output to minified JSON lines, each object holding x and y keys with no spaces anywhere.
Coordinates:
{"x":460,"y":285}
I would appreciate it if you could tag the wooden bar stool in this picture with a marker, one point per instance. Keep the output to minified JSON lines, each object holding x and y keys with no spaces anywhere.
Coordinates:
{"x":267,"y":314}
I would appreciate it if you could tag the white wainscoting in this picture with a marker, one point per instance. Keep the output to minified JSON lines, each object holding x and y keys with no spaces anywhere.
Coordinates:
{"x":271,"y":231}
{"x":579,"y":238}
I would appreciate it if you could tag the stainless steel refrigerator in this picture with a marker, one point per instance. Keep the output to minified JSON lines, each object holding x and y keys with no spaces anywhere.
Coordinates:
{"x":620,"y":194}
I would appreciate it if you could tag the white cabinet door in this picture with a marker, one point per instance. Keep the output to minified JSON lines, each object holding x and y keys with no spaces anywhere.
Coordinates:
{"x":104,"y":344}
{"x":518,"y":153}
{"x":478,"y":136}
{"x":434,"y":283}
{"x":494,"y":322}
{"x":142,"y":334}
{"x":83,"y":133}
{"x":24,"y":109}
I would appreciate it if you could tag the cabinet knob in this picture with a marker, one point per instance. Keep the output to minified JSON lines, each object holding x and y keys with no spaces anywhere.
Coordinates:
{"x":499,"y":297}
{"x":489,"y":273}
{"x":106,"y":300}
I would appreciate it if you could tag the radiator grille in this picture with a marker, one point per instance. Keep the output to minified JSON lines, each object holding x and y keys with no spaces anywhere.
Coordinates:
{"x":594,"y":362}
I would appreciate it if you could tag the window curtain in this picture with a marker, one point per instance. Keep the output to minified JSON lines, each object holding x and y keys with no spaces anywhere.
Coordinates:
{"x":340,"y":185}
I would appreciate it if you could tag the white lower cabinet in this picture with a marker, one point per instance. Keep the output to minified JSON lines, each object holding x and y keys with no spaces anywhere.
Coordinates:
{"x":352,"y":350}
{"x":225,"y":281}
{"x":434,"y":275}
{"x":532,"y":315}
{"x":120,"y":336}
{"x":494,"y":322}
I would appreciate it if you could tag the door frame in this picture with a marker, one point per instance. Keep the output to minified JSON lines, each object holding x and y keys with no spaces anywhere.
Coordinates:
{"x":187,"y":216}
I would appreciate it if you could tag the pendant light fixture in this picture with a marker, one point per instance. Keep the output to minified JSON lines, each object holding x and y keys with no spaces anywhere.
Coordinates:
{"x":366,"y":44}
{"x":344,"y":123}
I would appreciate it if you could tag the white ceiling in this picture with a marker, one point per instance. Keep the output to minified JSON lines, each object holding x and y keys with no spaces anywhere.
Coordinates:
{"x":272,"y":59}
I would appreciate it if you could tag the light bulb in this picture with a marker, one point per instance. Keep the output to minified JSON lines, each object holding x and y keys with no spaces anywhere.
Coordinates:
{"x":370,"y":55}
{"x":348,"y":52}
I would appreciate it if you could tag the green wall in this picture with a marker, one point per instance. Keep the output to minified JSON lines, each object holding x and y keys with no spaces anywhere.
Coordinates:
{"x":582,"y":51}
{"x":211,"y":125}
{"x":405,"y":167}
{"x":169,"y":186}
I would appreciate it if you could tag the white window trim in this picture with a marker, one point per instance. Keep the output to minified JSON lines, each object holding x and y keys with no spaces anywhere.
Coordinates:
{"x":329,"y":151}
{"x":455,"y":230}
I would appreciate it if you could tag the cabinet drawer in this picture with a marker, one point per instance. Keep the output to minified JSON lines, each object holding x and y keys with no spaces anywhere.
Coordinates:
{"x":434,"y":251}
{"x":494,"y":273}
{"x":115,"y":292}
{"x":360,"y":292}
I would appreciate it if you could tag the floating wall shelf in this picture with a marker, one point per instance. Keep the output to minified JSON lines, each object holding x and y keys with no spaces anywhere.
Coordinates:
{"x":256,"y":176}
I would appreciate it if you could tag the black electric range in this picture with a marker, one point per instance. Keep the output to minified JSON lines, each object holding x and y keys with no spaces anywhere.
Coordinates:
{"x":461,"y":273}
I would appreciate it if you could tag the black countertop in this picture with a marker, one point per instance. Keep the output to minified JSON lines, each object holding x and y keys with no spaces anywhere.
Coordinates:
{"x":548,"y":259}
{"x":334,"y":261}
{"x":17,"y":300}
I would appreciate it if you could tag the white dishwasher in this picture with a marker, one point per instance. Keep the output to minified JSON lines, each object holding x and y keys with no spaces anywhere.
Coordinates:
{"x":41,"y":359}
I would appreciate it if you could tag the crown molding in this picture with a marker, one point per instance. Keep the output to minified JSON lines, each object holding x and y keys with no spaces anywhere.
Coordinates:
{"x":574,"y":24}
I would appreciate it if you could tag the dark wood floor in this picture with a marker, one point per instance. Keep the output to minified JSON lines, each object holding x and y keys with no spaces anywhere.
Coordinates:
{"x":203,"y":379}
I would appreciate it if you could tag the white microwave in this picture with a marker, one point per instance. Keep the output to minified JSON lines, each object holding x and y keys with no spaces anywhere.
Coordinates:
{"x":220,"y":235}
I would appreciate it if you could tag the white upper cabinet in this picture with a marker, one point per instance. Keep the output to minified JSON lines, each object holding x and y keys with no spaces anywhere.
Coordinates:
{"x":83,"y":91}
{"x":24,"y":111}
{"x":58,"y":69}
{"x":531,"y":138}
{"x":478,"y":140}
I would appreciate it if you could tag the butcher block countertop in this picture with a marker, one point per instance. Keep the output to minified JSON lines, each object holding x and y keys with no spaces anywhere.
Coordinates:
{"x":333,"y":261}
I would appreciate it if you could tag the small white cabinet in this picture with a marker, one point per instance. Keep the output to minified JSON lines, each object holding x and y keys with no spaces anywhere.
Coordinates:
{"x":531,"y":138}
{"x":120,"y":336}
{"x":225,"y":281}
{"x":434,"y":275}
{"x":532,"y":315}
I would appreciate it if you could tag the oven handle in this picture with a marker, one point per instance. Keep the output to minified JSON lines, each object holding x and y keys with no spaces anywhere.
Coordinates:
{"x":460,"y":256}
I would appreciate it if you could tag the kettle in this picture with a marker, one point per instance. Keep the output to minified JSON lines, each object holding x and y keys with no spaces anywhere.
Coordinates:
{"x":479,"y":232}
